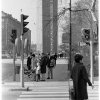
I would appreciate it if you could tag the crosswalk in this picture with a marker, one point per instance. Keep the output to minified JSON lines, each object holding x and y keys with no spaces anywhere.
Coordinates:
{"x":52,"y":91}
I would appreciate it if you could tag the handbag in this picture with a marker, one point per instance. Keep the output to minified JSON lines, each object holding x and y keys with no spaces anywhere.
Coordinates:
{"x":71,"y":91}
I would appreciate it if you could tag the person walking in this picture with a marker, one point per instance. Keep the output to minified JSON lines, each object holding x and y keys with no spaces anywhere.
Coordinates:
{"x":43,"y":63}
{"x":51,"y":64}
{"x":55,"y":56}
{"x":29,"y":64}
{"x":38,"y":71}
{"x":80,"y":79}
{"x":29,"y":61}
{"x":34,"y":65}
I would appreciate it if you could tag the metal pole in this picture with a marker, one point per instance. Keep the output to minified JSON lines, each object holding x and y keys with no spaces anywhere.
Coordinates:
{"x":91,"y":59}
{"x":22,"y":56}
{"x":70,"y":44}
{"x":91,"y":46}
{"x":70,"y":41}
{"x":14,"y":57}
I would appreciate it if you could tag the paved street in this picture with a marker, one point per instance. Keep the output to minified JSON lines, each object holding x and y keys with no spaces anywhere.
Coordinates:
{"x":60,"y":70}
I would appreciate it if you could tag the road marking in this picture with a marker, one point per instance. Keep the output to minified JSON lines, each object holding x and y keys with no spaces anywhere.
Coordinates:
{"x":55,"y":91}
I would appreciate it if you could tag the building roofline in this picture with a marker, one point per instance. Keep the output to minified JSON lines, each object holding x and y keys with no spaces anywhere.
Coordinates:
{"x":10,"y":16}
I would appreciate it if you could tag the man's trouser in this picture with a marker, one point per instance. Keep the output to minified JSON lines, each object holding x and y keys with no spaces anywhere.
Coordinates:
{"x":50,"y":73}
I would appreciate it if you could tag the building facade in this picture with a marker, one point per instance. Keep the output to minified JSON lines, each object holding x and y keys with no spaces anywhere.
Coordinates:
{"x":47,"y":27}
{"x":8,"y":24}
{"x":39,"y":26}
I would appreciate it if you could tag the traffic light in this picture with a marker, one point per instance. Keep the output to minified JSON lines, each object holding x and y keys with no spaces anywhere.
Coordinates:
{"x":13,"y":36}
{"x":23,"y":24}
{"x":86,"y":35}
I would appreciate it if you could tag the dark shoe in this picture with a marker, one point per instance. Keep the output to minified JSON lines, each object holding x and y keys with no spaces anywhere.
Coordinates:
{"x":48,"y":78}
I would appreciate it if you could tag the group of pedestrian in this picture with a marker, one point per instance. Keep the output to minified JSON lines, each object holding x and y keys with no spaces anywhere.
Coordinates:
{"x":37,"y":66}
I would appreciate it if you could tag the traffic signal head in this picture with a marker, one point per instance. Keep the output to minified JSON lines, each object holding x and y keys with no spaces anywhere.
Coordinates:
{"x":13,"y":35}
{"x":23,"y":24}
{"x":86,"y":35}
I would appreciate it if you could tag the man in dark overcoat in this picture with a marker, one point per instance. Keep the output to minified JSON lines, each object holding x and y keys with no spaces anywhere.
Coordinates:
{"x":80,"y":79}
{"x":29,"y":61}
{"x":51,"y":64}
{"x":43,"y":63}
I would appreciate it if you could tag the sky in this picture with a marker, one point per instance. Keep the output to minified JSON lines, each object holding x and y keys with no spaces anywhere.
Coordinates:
{"x":28,"y":8}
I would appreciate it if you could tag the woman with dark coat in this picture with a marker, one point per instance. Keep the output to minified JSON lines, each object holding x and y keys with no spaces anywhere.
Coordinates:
{"x":80,"y":79}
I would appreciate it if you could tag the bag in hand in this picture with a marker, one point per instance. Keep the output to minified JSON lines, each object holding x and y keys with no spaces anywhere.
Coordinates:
{"x":72,"y":93}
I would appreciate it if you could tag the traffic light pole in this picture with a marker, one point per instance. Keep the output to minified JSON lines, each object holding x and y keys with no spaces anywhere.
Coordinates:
{"x":23,"y":31}
{"x":91,"y":48}
{"x":22,"y":63}
{"x":70,"y":52}
{"x":22,"y":55}
{"x":14,"y":57}
{"x":91,"y":60}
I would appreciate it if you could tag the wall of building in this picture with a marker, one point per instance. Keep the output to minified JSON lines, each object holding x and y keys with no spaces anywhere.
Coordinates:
{"x":46,"y":25}
{"x":55,"y":25}
{"x":4,"y":31}
{"x":8,"y":24}
{"x":39,"y":25}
